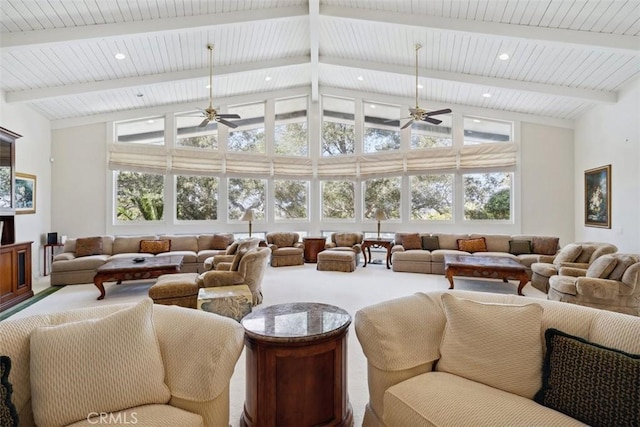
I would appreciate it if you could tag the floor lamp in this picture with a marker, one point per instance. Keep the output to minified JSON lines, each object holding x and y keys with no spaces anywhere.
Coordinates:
{"x":248,"y":216}
{"x":380,"y":216}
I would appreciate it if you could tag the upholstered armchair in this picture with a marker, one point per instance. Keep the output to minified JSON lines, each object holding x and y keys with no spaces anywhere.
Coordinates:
{"x":211,"y":262}
{"x":612,"y":282}
{"x":575,"y":256}
{"x":247,"y":269}
{"x":344,"y":241}
{"x":286,"y":248}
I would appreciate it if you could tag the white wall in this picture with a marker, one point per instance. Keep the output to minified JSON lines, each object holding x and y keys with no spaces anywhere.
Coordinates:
{"x":611,"y":135}
{"x":33,"y":151}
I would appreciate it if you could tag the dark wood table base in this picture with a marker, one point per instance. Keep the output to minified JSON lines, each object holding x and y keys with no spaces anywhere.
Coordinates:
{"x":367,"y":244}
{"x":485,"y":267}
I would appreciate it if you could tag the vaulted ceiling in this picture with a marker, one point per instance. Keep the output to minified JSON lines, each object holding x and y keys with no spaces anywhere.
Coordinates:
{"x":564,"y":56}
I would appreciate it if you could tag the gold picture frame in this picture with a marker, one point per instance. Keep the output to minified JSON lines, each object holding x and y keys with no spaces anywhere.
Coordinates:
{"x":597,"y":197}
{"x":25,"y":193}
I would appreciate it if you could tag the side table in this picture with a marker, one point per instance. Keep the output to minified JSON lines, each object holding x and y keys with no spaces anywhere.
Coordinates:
{"x":312,"y":247}
{"x":49,"y":253}
{"x":367,"y":244}
{"x":296,"y":356}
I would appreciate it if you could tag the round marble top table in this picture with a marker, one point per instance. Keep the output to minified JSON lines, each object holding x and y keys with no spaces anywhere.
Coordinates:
{"x":297,"y":366}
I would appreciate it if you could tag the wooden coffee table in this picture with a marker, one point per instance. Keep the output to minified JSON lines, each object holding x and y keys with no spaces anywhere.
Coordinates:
{"x":485,"y":266}
{"x":126,"y":269}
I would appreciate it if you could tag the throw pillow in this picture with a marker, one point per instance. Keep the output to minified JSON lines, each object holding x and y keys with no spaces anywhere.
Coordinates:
{"x":589,"y":382}
{"x":412,"y":241}
{"x":585,"y":255}
{"x":97,"y":365}
{"x":545,"y":245}
{"x":155,"y":246}
{"x":495,"y":344}
{"x":569,"y":253}
{"x":247,"y":244}
{"x":236,"y":259}
{"x":430,"y":243}
{"x":624,"y":262}
{"x":221,"y":241}
{"x":472,"y":245}
{"x":88,"y":246}
{"x":519,"y":247}
{"x":232,"y":248}
{"x":8,"y":413}
{"x":602,"y":267}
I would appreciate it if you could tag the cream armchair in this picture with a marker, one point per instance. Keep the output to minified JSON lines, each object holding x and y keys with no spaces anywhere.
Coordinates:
{"x":612,"y":282}
{"x":574,"y":255}
{"x":343,"y":241}
{"x":250,"y":271}
{"x":197,"y":365}
{"x":286,"y":248}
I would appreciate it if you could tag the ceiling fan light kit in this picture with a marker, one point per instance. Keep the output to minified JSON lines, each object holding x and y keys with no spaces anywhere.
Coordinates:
{"x":210,"y":114}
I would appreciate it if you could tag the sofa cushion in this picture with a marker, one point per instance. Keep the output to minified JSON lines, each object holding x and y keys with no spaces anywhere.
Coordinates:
{"x":129,"y":244}
{"x":182,"y":243}
{"x":449,"y":241}
{"x":624,"y":262}
{"x":585,"y":255}
{"x":219,"y":241}
{"x":155,"y":246}
{"x":477,"y":335}
{"x":472,"y":245}
{"x":519,"y":247}
{"x":494,"y":242}
{"x":591,"y":383}
{"x":8,"y":413}
{"x":232,"y":248}
{"x":544,"y":245}
{"x":602,"y":267}
{"x":567,"y":254}
{"x":347,"y":239}
{"x":430,"y":243}
{"x":237,"y":258}
{"x":113,"y":363}
{"x":412,"y":241}
{"x":88,"y":246}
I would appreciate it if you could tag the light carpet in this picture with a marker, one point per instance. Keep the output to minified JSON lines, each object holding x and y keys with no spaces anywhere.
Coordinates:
{"x":351,"y":291}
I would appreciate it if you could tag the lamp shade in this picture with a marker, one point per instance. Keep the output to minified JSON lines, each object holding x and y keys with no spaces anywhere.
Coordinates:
{"x":380,"y":215}
{"x":248,"y":215}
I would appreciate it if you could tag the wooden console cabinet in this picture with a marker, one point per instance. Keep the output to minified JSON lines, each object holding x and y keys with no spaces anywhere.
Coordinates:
{"x":15,"y":274}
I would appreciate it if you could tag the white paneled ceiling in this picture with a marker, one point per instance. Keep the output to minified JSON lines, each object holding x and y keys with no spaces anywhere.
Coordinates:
{"x":565,"y":56}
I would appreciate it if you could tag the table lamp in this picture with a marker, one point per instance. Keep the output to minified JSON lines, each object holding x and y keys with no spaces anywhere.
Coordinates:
{"x":380,"y":216}
{"x":248,"y":216}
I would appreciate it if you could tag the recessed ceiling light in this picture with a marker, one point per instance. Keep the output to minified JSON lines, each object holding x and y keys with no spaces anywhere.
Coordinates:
{"x":504,"y":56}
{"x":420,"y":86}
{"x":139,"y":95}
{"x":360,"y":78}
{"x":486,"y":95}
{"x":150,"y":121}
{"x":120,"y":56}
{"x":372,"y":106}
{"x":266,"y":79}
{"x":476,"y":121}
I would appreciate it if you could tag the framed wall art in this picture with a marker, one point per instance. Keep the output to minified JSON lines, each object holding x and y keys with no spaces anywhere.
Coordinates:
{"x":25,"y":193}
{"x":597,"y":197}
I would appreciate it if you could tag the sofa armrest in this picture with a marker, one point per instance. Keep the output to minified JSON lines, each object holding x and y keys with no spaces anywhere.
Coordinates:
{"x":592,"y":287}
{"x":329,"y":245}
{"x":65,"y":256}
{"x":272,"y":246}
{"x":357,"y":248}
{"x":397,"y":248}
{"x":572,"y":271}
{"x":214,"y":278}
{"x":298,"y":245}
{"x":548,"y":259}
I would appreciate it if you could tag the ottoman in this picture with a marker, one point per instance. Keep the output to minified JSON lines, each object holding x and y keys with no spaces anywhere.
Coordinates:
{"x":329,"y":260}
{"x":230,"y":301}
{"x":175,"y":289}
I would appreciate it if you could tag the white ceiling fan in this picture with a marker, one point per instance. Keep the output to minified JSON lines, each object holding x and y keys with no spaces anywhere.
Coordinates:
{"x":421,"y":114}
{"x":210,"y":114}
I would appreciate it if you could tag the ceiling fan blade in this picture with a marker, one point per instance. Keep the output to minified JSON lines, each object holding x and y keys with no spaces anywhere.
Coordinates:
{"x":406,"y":125}
{"x":227,"y":123}
{"x":229,"y":116}
{"x":433,"y":121}
{"x":203,"y":123}
{"x":435,"y":113}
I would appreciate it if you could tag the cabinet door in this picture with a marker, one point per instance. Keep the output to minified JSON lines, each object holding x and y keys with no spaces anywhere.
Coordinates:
{"x":6,"y":275}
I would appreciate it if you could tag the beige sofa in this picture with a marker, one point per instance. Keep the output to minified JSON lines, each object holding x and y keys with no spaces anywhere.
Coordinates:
{"x":196,"y":366}
{"x":69,"y":269}
{"x":543,"y":249}
{"x":407,"y":340}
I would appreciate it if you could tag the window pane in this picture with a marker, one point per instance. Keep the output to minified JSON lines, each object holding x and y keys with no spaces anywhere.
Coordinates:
{"x":147,"y":131}
{"x":382,"y":193}
{"x":249,"y":135}
{"x":190,"y":134}
{"x":196,"y":198}
{"x":432,"y":197}
{"x":291,"y":127}
{"x":246,"y":193}
{"x":139,"y":196}
{"x":427,"y":135}
{"x":487,"y":196}
{"x":291,"y":199}
{"x":338,"y":200}
{"x":381,"y":127}
{"x":478,"y":131}
{"x":338,"y":126}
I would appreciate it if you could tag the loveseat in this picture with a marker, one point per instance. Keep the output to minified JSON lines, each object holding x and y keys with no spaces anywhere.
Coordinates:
{"x":77,"y":265}
{"x":424,"y":252}
{"x":139,"y":363}
{"x":462,"y":358}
